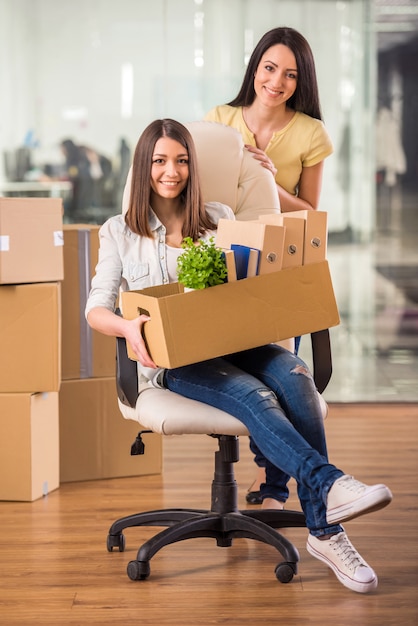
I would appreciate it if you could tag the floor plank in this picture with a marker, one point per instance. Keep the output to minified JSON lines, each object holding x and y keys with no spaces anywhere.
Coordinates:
{"x":56,"y":569}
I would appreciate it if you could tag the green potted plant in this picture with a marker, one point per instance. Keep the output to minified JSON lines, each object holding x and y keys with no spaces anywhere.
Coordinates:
{"x":201,"y":265}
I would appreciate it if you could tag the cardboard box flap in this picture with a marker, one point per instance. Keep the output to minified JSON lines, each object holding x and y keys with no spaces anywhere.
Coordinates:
{"x":160,"y":291}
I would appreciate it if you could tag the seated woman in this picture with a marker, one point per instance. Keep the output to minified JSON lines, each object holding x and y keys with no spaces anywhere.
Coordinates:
{"x":268,"y":388}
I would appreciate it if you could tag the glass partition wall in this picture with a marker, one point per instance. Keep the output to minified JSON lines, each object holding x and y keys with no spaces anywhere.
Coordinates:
{"x":98,"y":72}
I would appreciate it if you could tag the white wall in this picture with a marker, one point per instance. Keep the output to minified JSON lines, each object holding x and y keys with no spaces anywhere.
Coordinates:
{"x":17,"y":71}
{"x":61,"y":66}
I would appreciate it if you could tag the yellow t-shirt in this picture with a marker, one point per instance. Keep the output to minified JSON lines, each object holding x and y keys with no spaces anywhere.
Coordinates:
{"x":302,"y":143}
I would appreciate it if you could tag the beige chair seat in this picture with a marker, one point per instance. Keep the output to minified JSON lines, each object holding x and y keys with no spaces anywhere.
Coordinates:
{"x":168,"y":413}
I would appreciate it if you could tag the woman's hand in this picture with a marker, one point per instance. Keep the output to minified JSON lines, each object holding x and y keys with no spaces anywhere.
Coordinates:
{"x":261,"y":156}
{"x":107,"y":322}
{"x":133,"y":335}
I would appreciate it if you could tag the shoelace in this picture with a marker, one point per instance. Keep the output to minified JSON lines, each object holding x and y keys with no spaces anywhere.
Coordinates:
{"x":346,"y":552}
{"x":351,"y":484}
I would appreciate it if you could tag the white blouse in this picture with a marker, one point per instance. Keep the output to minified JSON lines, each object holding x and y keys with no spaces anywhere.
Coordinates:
{"x":172,"y":255}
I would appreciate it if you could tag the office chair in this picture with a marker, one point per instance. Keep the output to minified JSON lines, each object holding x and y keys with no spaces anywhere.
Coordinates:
{"x":249,"y":192}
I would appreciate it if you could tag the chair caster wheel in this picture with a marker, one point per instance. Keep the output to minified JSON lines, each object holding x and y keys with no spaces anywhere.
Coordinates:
{"x":138,"y":570}
{"x":116,"y":541}
{"x":285,"y":572}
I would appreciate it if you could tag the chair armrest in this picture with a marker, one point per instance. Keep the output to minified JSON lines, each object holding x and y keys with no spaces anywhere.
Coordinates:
{"x":322,"y":360}
{"x":126,"y":373}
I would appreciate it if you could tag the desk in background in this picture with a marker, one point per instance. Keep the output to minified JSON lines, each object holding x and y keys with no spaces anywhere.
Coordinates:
{"x":51,"y":189}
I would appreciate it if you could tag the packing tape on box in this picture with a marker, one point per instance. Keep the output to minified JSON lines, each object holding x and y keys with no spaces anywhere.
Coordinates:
{"x":4,"y":243}
{"x":86,"y":334}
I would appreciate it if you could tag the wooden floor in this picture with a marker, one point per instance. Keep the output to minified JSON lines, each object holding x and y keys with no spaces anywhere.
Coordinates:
{"x":55,"y":568}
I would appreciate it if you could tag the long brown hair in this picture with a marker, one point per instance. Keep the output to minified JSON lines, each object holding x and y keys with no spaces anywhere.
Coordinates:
{"x":196,"y":220}
{"x":306,"y":96}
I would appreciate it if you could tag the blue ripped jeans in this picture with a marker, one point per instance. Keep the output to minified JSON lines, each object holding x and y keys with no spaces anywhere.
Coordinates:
{"x":275,"y":485}
{"x":272,"y":392}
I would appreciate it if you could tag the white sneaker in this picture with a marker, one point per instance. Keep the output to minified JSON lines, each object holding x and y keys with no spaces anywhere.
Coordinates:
{"x":341,"y":556}
{"x":349,"y":498}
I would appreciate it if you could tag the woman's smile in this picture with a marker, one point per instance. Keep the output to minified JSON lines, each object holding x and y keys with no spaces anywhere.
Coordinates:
{"x":273,"y":92}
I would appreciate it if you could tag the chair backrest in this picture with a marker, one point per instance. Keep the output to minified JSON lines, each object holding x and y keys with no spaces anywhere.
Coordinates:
{"x":228,"y":172}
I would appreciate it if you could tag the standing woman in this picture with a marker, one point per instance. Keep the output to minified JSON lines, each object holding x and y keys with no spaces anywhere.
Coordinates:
{"x":278,"y":113}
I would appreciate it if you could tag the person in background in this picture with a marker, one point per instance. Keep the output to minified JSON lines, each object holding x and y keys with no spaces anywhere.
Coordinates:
{"x":278,"y":113}
{"x":87,"y":170}
{"x":121,"y":170}
{"x":77,"y":168}
{"x":268,"y":388}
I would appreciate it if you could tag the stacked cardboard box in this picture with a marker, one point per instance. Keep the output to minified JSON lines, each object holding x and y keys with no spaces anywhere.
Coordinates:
{"x":59,"y":417}
{"x":31,"y":271}
{"x":95,"y":440}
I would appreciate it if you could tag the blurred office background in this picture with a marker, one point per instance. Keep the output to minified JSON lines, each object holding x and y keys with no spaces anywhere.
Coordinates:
{"x":96,"y":72}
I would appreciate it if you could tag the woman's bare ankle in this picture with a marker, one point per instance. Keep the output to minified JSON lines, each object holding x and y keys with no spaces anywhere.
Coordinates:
{"x":271,"y":503}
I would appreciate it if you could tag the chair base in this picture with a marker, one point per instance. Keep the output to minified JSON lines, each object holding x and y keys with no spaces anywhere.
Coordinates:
{"x":223,"y":522}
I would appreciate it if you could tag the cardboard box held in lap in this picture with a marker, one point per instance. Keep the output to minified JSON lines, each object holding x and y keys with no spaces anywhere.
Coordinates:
{"x":194,"y":326}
